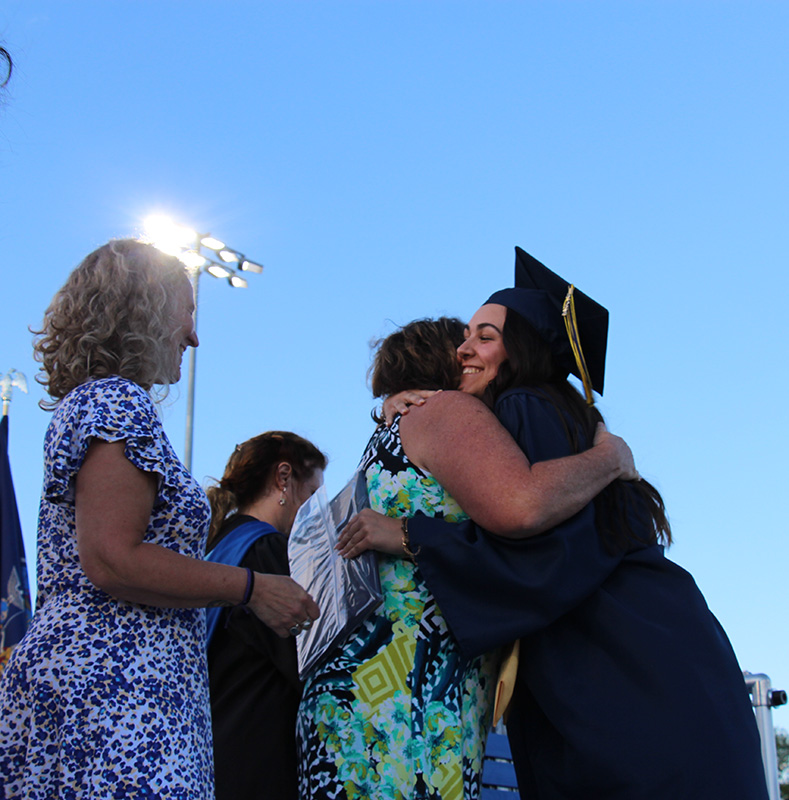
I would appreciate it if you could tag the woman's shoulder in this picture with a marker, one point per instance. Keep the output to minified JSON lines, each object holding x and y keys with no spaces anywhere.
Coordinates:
{"x":523,"y":400}
{"x":104,"y":399}
{"x":109,"y":409}
{"x":111,"y":386}
{"x":523,"y":393}
{"x":461,"y":402}
{"x":446,"y":417}
{"x":536,"y":422}
{"x":440,"y":414}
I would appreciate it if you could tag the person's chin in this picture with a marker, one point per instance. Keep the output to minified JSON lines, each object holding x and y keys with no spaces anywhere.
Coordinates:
{"x":471,"y":385}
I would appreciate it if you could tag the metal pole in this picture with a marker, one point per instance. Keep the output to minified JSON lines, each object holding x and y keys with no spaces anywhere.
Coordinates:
{"x":761,"y":700}
{"x":190,"y":391}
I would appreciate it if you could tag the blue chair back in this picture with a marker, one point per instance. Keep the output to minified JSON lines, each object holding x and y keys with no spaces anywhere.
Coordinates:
{"x":498,"y":773}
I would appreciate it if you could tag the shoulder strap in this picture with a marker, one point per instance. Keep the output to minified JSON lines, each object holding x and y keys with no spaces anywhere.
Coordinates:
{"x":231,"y":550}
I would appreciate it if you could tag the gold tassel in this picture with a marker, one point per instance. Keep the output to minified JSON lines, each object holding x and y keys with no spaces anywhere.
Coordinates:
{"x":505,"y":685}
{"x":570,"y":322}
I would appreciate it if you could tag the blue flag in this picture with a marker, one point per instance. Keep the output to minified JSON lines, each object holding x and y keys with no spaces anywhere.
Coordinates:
{"x":14,"y":587}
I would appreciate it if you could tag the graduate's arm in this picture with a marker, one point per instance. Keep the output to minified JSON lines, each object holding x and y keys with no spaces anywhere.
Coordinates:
{"x":493,"y":590}
{"x":461,"y":443}
{"x":114,"y":500}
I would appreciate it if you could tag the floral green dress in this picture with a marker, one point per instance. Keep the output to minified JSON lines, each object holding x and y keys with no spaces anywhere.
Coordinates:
{"x":397,"y":712}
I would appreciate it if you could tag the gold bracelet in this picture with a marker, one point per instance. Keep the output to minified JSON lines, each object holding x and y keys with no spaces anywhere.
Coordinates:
{"x":407,"y":543}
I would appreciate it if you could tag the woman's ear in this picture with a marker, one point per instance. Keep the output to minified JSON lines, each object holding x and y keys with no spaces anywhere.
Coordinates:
{"x":284,"y":473}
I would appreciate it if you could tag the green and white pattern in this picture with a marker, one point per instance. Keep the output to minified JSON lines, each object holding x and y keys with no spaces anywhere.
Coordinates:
{"x":398,"y":712}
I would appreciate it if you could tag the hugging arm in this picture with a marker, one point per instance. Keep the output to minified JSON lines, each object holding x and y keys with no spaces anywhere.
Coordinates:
{"x":494,"y":589}
{"x":458,"y":439}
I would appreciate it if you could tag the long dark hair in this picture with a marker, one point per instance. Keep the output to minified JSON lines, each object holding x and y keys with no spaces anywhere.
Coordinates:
{"x":531,"y":363}
{"x":250,"y":472}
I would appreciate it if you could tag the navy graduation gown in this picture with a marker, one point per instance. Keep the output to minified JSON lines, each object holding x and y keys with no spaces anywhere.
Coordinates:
{"x":255,"y":690}
{"x":627,"y":687}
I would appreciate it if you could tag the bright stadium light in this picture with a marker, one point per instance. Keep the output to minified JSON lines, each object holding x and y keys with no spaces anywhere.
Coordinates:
{"x":198,"y":252}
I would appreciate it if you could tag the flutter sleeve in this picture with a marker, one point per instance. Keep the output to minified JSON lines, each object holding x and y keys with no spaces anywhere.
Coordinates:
{"x":493,"y":590}
{"x":109,"y":409}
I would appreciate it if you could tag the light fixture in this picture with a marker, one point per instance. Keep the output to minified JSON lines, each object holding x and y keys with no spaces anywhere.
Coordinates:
{"x":238,"y":281}
{"x":251,"y":266}
{"x":228,"y":255}
{"x":211,"y":243}
{"x":218,"y":271}
{"x":193,"y":260}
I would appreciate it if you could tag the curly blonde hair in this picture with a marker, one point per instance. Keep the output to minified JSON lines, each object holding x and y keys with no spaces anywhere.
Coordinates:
{"x":113,"y":316}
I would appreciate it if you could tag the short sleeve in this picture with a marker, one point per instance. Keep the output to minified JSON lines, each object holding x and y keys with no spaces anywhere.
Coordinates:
{"x":110,"y":409}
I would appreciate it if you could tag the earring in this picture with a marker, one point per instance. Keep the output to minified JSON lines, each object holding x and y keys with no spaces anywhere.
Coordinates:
{"x":282,"y":499}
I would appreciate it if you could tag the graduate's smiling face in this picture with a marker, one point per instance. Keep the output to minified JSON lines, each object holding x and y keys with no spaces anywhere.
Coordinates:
{"x":483,"y":352}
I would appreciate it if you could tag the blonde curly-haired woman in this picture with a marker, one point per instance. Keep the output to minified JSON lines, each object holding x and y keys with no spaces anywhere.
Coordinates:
{"x":107,"y":694}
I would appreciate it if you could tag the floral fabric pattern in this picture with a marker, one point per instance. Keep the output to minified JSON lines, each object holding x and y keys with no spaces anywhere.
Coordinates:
{"x":397,"y":712}
{"x":103,"y":698}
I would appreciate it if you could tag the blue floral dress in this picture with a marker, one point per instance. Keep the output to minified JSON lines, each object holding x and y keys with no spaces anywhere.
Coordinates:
{"x":397,"y":712}
{"x":103,"y":698}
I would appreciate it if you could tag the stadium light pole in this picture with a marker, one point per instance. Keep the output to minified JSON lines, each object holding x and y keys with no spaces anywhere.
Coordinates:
{"x":199,"y":252}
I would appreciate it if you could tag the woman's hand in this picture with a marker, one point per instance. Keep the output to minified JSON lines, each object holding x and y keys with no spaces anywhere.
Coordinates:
{"x":627,"y":464}
{"x":280,"y":603}
{"x":369,"y":530}
{"x":399,"y":403}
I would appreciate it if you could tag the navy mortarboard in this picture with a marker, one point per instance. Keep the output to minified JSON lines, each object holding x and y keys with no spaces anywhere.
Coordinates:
{"x":574,"y":325}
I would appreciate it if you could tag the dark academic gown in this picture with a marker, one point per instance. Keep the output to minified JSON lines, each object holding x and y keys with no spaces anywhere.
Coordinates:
{"x":627,"y":686}
{"x":255,"y":692}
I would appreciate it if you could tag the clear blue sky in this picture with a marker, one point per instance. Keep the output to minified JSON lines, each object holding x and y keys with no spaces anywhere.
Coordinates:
{"x":382,"y":159}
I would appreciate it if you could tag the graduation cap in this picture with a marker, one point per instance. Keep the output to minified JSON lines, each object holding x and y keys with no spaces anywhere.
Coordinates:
{"x":571,"y":323}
